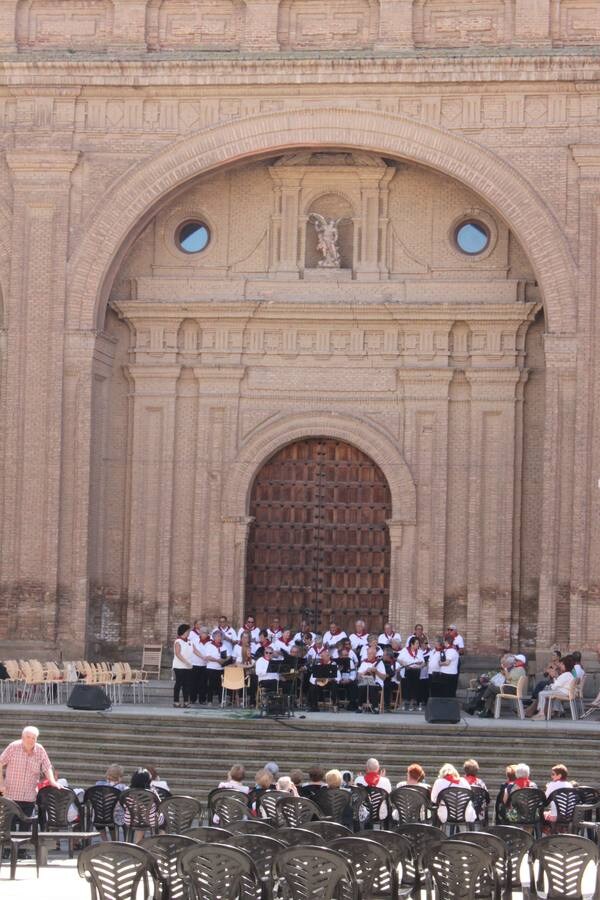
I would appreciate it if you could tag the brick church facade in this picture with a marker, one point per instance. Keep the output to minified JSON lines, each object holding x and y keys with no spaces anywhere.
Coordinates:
{"x":203,"y":410}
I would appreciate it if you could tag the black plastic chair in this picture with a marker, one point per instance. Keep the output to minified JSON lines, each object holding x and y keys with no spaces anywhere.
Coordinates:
{"x":378,"y":806}
{"x":372,"y":865}
{"x":294,"y":812}
{"x":327,"y":831}
{"x":219,"y":872}
{"x":262,"y":850}
{"x":115,"y":871}
{"x":561,"y":861}
{"x":179,"y":812}
{"x":360,"y":805}
{"x":588,"y":795}
{"x":456,"y":801}
{"x":300,"y":837}
{"x":9,"y":813}
{"x":225,"y":810}
{"x":267,"y":804}
{"x":399,"y":848}
{"x":315,"y":873}
{"x":409,"y":805}
{"x":53,"y":809}
{"x":141,"y":811}
{"x":162,"y":793}
{"x":423,"y":838}
{"x":336,"y":804}
{"x":209,"y":834}
{"x":518,"y":843}
{"x":251,"y":826}
{"x":526,"y":808}
{"x":165,"y":849}
{"x":458,"y":869}
{"x":565,"y":800}
{"x":217,"y":793}
{"x":100,"y":802}
{"x":481,"y":803}
{"x":494,"y":882}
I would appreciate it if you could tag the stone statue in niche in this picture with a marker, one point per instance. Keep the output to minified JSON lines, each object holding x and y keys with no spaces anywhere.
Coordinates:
{"x":328,"y":239}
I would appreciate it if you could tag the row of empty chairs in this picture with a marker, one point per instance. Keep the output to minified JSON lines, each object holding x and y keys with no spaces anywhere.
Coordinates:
{"x":260,"y":862}
{"x":35,"y":681}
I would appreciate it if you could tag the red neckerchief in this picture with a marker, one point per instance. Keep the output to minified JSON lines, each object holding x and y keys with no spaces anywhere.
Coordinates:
{"x":452,"y":779}
{"x":472,"y":779}
{"x":522,"y":782}
{"x":215,"y":645}
{"x":411,"y":653}
{"x":372,"y":779}
{"x":205,"y":639}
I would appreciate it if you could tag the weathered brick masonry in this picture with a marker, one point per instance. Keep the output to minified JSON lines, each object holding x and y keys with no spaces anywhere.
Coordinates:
{"x":143,"y":388}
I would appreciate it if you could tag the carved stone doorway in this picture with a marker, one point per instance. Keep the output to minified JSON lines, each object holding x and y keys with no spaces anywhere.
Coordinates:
{"x":318,"y":546}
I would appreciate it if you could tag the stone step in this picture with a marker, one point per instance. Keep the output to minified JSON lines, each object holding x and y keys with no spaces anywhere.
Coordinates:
{"x":194,"y":750}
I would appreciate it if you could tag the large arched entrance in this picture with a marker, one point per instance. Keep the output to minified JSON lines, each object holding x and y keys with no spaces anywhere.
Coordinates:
{"x":318,"y":546}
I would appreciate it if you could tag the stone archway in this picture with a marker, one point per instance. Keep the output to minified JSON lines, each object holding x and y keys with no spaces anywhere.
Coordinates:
{"x":133,"y":200}
{"x":369,"y":438}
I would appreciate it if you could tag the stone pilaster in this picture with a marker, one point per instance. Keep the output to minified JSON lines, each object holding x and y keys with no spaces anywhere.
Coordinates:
{"x":532,"y":22}
{"x":34,"y":390}
{"x":129,"y":25}
{"x":151,"y":501}
{"x":395,"y":25}
{"x":260,"y":25}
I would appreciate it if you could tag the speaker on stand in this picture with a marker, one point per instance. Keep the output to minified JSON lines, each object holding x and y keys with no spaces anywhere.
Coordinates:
{"x":88,"y":696}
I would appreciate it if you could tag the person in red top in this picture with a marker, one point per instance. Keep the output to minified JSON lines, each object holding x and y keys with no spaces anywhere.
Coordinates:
{"x":21,"y":765}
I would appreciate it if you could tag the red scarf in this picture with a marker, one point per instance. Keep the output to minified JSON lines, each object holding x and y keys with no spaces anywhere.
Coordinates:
{"x":522,"y":782}
{"x":452,"y":779}
{"x":372,"y":779}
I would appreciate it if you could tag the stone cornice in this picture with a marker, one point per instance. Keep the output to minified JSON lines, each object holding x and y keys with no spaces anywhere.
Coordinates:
{"x":238,"y":68}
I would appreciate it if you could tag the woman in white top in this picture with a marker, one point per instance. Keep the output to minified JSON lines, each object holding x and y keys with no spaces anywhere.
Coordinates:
{"x":448,"y":777}
{"x":235,"y":780}
{"x":560,"y":686}
{"x":182,"y":666}
{"x":412,"y":660}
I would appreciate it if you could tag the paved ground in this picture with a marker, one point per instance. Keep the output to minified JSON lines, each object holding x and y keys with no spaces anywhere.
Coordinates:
{"x":58,"y":881}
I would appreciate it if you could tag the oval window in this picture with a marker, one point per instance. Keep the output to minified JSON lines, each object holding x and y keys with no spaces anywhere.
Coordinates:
{"x":472,"y":238}
{"x":193,"y":237}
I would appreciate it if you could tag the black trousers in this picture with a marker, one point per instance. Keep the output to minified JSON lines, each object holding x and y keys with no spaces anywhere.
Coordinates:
{"x":348,"y":690}
{"x":369,"y":693}
{"x":183,"y":680}
{"x":198,"y":686}
{"x":213,"y":684}
{"x":27,"y":807}
{"x":317,"y":693}
{"x":410,"y":685}
{"x":442,"y":685}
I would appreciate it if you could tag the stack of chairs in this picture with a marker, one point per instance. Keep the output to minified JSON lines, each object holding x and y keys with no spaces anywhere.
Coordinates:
{"x":34,"y":681}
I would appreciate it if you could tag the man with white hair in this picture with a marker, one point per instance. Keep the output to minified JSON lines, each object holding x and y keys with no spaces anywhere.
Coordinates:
{"x":374,"y":776}
{"x":22,"y":765}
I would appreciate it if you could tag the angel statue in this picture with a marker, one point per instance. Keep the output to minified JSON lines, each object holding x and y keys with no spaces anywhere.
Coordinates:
{"x":328,"y":237}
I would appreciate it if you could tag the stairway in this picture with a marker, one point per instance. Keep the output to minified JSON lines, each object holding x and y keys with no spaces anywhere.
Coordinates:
{"x":194,"y":749}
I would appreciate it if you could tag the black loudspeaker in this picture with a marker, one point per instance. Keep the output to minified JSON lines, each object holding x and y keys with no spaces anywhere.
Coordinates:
{"x":88,"y":696}
{"x":443,"y":709}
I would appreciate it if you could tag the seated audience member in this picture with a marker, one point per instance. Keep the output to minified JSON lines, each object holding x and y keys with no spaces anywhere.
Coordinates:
{"x":559,"y":686}
{"x":73,"y":812}
{"x":335,"y":781}
{"x":156,"y":780}
{"x":521,"y":780}
{"x":297,"y":777}
{"x":448,"y":777}
{"x":415,"y":775}
{"x":374,"y":776}
{"x":559,"y":775}
{"x":551,"y":671}
{"x":471,"y":770}
{"x":263,"y":781}
{"x":235,"y":780}
{"x":578,"y":670}
{"x":347,"y":779}
{"x":286,"y":785}
{"x":142,"y":779}
{"x":371,"y":675}
{"x":273,"y":769}
{"x":315,"y":783}
{"x":507,"y":679}
{"x":114,"y":777}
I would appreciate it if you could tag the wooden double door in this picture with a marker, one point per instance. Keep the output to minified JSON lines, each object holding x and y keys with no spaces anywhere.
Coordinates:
{"x":318,"y":545}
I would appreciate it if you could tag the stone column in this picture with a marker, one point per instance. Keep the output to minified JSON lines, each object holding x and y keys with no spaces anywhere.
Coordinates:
{"x":561,"y":356}
{"x":260,"y":25}
{"x":235,"y":542}
{"x":35,"y":313}
{"x":216,"y":530}
{"x":151,"y":501}
{"x":395,"y":26}
{"x":285,"y":224}
{"x":491,"y":503}
{"x":8,"y":25}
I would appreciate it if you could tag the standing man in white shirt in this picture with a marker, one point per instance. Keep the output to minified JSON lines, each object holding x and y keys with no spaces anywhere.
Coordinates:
{"x":228,"y":634}
{"x":198,"y":638}
{"x":359,"y":638}
{"x":214,"y":665}
{"x":250,"y":627}
{"x":332,"y":638}
{"x":388,"y":635}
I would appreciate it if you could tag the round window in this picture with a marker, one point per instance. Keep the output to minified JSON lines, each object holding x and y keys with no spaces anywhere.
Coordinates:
{"x":193,"y":237}
{"x":472,"y":237}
